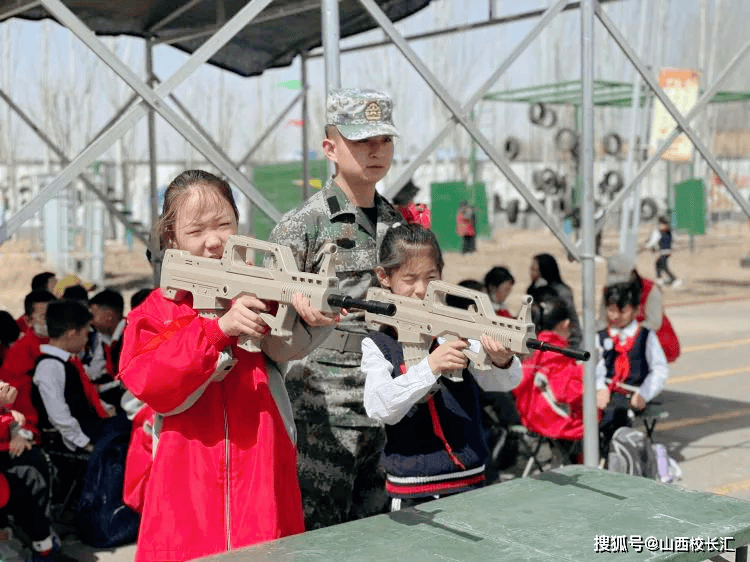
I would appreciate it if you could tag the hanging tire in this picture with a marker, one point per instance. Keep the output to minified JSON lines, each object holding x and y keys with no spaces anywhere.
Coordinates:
{"x":537,"y":113}
{"x":512,"y":211}
{"x":536,"y":180}
{"x":649,"y":209}
{"x":550,"y":118}
{"x":612,"y":144}
{"x":613,"y":181}
{"x":566,"y":139}
{"x":512,"y":148}
{"x":549,"y":181}
{"x":498,"y":203}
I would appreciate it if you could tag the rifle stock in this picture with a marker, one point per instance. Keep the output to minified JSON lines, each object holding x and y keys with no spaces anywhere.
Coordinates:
{"x":215,"y":283}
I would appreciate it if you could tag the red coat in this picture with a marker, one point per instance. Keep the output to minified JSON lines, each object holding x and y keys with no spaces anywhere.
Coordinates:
{"x":224,"y":475}
{"x":21,"y":358}
{"x":665,"y":334}
{"x":565,"y":378}
{"x":22,"y":404}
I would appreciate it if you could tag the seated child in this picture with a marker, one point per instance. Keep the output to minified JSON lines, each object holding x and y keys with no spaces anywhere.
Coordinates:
{"x":550,"y":396}
{"x":499,"y":283}
{"x":21,"y":358}
{"x":24,"y":478}
{"x":435,"y":441}
{"x":70,"y":400}
{"x":9,"y":333}
{"x":632,"y":368}
{"x":107,"y":308}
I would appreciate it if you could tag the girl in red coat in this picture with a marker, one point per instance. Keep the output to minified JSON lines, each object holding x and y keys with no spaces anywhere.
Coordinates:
{"x":224,"y":470}
{"x":550,"y":396}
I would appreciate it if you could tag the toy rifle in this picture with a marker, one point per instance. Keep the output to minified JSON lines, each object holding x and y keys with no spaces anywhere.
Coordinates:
{"x":418,"y":321}
{"x":215,"y":283}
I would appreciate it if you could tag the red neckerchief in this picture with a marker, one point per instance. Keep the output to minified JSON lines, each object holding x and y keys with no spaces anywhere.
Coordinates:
{"x":622,"y":361}
{"x":92,"y":395}
{"x":108,"y":357}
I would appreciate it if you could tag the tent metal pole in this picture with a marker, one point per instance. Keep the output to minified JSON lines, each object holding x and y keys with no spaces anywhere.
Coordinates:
{"x":172,"y":16}
{"x":101,"y":144}
{"x":682,"y":121}
{"x":331,"y":36}
{"x":467,"y":123}
{"x":626,"y":218}
{"x":305,"y":128}
{"x":588,"y":267}
{"x":332,"y":56}
{"x":522,"y":45}
{"x":153,"y":193}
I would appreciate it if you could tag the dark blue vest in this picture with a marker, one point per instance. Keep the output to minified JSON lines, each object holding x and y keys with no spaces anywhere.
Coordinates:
{"x":639,"y":367}
{"x":413,"y":448}
{"x":665,"y":241}
{"x":75,"y":398}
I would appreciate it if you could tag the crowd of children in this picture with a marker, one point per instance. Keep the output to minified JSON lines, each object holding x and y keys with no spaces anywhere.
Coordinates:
{"x":231,"y":448}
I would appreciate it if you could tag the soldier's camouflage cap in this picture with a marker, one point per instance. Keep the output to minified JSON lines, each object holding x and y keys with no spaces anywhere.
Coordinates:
{"x":360,"y":114}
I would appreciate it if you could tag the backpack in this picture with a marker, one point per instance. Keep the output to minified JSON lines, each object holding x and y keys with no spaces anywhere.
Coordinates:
{"x":103,"y":519}
{"x":630,"y":452}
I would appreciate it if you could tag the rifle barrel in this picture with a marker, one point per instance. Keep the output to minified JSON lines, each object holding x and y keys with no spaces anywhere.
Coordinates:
{"x":580,"y":354}
{"x":375,"y":307}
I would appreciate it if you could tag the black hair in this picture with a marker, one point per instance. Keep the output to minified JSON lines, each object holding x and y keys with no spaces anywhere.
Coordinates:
{"x":548,"y":268}
{"x":400,"y":240}
{"x":109,"y":298}
{"x":66,"y":314}
{"x":40,"y":280}
{"x":622,"y":294}
{"x":664,"y":220}
{"x":139,"y":296}
{"x":76,"y":293}
{"x":40,"y":295}
{"x":461,"y":302}
{"x":405,"y":194}
{"x":9,"y":330}
{"x":497,"y":276}
{"x":548,"y":309}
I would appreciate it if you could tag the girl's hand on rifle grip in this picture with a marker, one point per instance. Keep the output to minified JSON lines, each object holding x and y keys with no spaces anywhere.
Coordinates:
{"x":448,"y":357}
{"x":243,"y":318}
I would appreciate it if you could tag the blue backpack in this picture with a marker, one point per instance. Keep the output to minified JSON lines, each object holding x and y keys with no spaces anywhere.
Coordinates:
{"x":103,"y":519}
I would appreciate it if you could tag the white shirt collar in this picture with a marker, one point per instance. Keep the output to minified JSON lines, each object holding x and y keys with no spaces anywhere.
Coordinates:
{"x":626,"y":332}
{"x":54,"y":351}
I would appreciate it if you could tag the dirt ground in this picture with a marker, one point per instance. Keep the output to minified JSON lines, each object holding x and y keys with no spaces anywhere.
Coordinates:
{"x":711,"y":270}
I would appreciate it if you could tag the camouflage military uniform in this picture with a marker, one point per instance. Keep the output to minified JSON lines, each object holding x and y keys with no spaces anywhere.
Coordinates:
{"x":339,"y":447}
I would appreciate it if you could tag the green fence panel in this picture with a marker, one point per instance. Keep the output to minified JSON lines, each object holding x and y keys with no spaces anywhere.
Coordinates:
{"x":690,"y":210}
{"x":281,"y":184}
{"x":446,"y":197}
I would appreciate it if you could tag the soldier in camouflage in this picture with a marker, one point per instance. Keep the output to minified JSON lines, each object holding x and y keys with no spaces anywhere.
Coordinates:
{"x":339,"y":447}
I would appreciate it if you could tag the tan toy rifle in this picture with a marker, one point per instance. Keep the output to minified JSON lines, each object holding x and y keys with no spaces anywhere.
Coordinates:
{"x":418,"y":321}
{"x":215,"y":283}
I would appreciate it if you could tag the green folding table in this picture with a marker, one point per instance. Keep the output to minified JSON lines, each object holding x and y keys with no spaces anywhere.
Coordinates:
{"x":572,"y":513}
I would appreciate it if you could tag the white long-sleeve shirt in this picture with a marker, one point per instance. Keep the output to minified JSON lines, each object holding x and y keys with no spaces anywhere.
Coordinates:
{"x":389,"y":399}
{"x":49,"y":376}
{"x":657,"y":362}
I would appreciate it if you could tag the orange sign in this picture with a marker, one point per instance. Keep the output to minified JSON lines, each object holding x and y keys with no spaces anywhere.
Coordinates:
{"x":681,"y":86}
